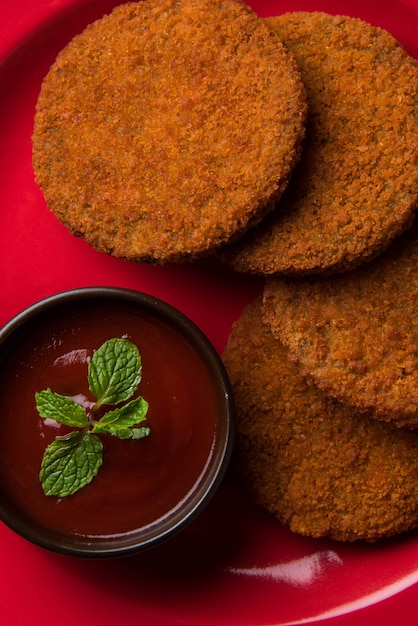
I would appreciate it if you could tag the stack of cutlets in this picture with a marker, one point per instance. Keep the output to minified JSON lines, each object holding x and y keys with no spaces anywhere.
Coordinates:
{"x":287,"y":147}
{"x":324,"y":365}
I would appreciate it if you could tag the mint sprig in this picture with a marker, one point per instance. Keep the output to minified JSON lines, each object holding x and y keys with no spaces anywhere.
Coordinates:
{"x":72,"y":461}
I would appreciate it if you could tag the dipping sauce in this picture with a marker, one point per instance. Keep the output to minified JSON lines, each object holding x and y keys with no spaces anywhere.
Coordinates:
{"x":140,"y":481}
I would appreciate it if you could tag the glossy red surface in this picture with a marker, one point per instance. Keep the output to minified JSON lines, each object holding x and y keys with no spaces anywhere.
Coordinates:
{"x":234,"y":565}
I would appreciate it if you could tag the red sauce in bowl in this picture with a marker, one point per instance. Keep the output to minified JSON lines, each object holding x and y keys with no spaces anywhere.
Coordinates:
{"x":141,"y":481}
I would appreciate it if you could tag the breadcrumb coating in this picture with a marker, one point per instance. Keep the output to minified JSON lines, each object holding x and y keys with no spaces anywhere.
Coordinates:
{"x":356,"y":186}
{"x":355,"y":335}
{"x":319,"y":467}
{"x":165,"y":128}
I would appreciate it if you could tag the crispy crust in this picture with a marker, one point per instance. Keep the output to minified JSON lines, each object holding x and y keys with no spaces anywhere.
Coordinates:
{"x":166,"y":127}
{"x":319,"y":467}
{"x":356,"y":185}
{"x":356,"y":335}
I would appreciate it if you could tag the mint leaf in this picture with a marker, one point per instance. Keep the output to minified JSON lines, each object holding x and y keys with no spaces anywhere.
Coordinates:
{"x":139,"y":433}
{"x":130,"y":433}
{"x":60,"y":408}
{"x":69,"y":463}
{"x":119,"y":421}
{"x":114,"y":372}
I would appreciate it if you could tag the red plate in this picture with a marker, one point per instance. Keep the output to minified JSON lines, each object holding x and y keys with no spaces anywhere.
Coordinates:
{"x":234,"y":566}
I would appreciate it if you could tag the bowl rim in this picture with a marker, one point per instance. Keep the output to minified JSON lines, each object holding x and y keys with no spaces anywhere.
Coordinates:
{"x":211,"y":477}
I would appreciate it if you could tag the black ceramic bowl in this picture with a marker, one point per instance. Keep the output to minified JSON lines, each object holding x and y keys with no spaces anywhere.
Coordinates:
{"x":160,"y":483}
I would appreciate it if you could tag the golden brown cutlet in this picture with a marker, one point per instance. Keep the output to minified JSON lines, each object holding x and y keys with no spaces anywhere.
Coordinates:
{"x":165,"y":128}
{"x":355,"y":335}
{"x":323,"y":469}
{"x":356,"y":186}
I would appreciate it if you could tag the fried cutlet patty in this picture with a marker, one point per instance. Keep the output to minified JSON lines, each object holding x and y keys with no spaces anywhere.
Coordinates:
{"x":166,"y":127}
{"x":355,"y":335}
{"x":356,"y":185}
{"x":319,"y":467}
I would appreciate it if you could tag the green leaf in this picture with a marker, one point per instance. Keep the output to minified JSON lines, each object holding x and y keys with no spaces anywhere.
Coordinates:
{"x":140,"y":433}
{"x":119,"y":422}
{"x":114,"y":372}
{"x":69,"y":463}
{"x":60,"y":408}
{"x":131,"y":433}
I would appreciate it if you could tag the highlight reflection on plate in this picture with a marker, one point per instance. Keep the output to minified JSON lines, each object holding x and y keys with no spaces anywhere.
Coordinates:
{"x":235,"y":565}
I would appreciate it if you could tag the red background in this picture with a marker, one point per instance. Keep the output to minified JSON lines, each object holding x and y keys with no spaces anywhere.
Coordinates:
{"x":194,"y":578}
